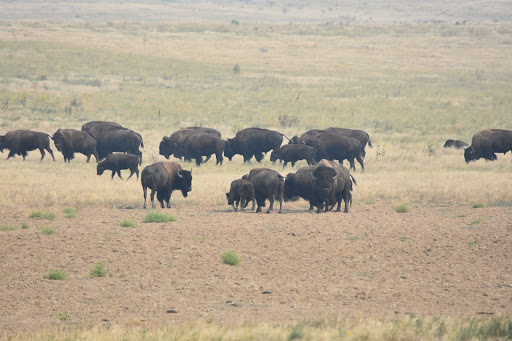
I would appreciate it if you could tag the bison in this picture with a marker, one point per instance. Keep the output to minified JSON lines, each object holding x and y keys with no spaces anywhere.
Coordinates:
{"x":71,"y":141}
{"x":22,"y":141}
{"x":117,"y":162}
{"x":486,"y":143}
{"x":360,"y":135}
{"x":112,"y":137}
{"x":268,"y":184}
{"x":325,"y":181}
{"x":294,"y":152}
{"x":163,"y":178}
{"x":300,"y":185}
{"x":457,"y":144}
{"x":251,"y":142}
{"x":168,"y":143}
{"x":343,"y":187}
{"x":197,"y":146}
{"x":241,"y":191}
{"x":335,"y":147}
{"x":306,"y":136}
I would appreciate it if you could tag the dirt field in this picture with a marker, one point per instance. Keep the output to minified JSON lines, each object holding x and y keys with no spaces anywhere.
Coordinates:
{"x":451,"y":261}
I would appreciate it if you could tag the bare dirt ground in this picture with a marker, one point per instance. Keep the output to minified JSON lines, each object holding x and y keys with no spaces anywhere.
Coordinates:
{"x":449,"y":261}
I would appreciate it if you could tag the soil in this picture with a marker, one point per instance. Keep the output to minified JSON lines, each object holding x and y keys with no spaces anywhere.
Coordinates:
{"x":451,"y":261}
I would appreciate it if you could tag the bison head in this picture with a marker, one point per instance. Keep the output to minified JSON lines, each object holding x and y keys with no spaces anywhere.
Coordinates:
{"x":100,"y":168}
{"x":274,"y":156}
{"x":324,"y":181}
{"x":183,"y":181}
{"x":294,"y":140}
{"x":470,"y":154}
{"x":166,"y":148}
{"x":448,"y":143}
{"x":228,"y":149}
{"x":290,"y":192}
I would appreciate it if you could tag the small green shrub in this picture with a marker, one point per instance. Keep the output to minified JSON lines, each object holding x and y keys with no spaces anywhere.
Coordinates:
{"x":401,"y":208}
{"x":98,"y":270}
{"x":7,"y":228}
{"x":65,"y":316}
{"x":230,"y":258}
{"x":477,"y":204}
{"x":158,"y":217}
{"x":58,"y":275}
{"x":69,"y":212}
{"x":24,"y":226}
{"x":43,"y":215}
{"x":48,"y":230}
{"x":127,"y":223}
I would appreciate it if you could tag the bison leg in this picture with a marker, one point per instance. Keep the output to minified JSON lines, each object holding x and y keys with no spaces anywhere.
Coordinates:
{"x":237,"y":202}
{"x":352,"y":164}
{"x":199,"y":160}
{"x":145,"y":191}
{"x":259,"y":157}
{"x":293,"y":163}
{"x":50,"y":151}
{"x":113,"y":173}
{"x":12,"y":154}
{"x":285,"y":163}
{"x":360,"y":160}
{"x":220,"y":159}
{"x":137,"y":172}
{"x":271,"y":207}
{"x":42,"y":154}
{"x":96,"y":156}
{"x":119,"y":174}
{"x":247,"y":158}
{"x":253,"y":204}
{"x":208,"y":158}
{"x":131,"y":173}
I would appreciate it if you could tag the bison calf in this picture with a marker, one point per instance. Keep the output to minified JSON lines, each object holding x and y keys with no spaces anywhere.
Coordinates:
{"x":293,"y":153}
{"x":117,"y":162}
{"x":241,"y":191}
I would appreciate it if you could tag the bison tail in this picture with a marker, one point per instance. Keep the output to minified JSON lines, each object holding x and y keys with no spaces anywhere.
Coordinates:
{"x":353,"y":179}
{"x":51,"y":137}
{"x":285,"y":136}
{"x":369,"y":142}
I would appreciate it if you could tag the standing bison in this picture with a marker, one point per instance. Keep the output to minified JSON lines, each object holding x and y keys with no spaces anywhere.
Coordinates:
{"x":112,"y":137}
{"x":335,"y":147}
{"x":168,"y":144}
{"x":118,"y":161}
{"x":163,"y":178}
{"x":486,"y":143}
{"x":360,"y":135}
{"x":22,"y":141}
{"x":268,"y":184}
{"x":197,"y":146}
{"x":241,"y":191}
{"x":71,"y":141}
{"x":253,"y":142}
{"x":293,"y":153}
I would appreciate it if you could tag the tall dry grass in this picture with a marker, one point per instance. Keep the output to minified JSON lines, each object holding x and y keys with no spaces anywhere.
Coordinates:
{"x":411,"y":86}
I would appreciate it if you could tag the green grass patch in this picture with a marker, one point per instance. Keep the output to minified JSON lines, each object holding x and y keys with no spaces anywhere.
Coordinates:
{"x":64,"y":316}
{"x":473,"y":243}
{"x":98,"y":270}
{"x":43,"y":215}
{"x":477,"y":204}
{"x":56,"y":275}
{"x":401,"y":208}
{"x":230,"y":258}
{"x":7,"y":228}
{"x":158,"y":217}
{"x":48,"y":230}
{"x":127,"y":223}
{"x":69,"y":212}
{"x":25,"y":226}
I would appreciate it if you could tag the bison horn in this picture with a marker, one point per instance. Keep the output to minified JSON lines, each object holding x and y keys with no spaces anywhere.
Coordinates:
{"x":179,"y":175}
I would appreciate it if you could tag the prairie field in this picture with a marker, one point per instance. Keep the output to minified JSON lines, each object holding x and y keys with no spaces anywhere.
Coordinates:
{"x":411,"y":75}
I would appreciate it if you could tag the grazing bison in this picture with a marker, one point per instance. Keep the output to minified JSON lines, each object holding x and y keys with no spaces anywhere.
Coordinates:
{"x":335,"y":147}
{"x":117,"y":162}
{"x":241,"y":191}
{"x":22,"y":141}
{"x":253,"y":142}
{"x":112,"y":137}
{"x":268,"y":184}
{"x":486,"y":143}
{"x":197,"y":146}
{"x":457,"y":144}
{"x":360,"y":135}
{"x":71,"y":141}
{"x":168,"y":143}
{"x":293,"y":153}
{"x":163,"y":178}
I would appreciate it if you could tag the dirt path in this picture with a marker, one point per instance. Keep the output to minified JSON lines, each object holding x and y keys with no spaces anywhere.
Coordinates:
{"x":448,"y":261}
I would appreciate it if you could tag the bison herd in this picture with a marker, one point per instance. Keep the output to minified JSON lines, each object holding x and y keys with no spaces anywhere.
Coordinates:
{"x":324,"y":182}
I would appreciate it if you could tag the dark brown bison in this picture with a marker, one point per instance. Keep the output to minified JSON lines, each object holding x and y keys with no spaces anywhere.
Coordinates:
{"x":268,"y":184}
{"x":457,"y":144}
{"x":241,"y":191}
{"x":486,"y":143}
{"x":253,"y":142}
{"x":325,"y":181}
{"x":293,"y":153}
{"x":117,"y":162}
{"x":168,"y":143}
{"x":300,"y":185}
{"x":22,"y":141}
{"x":344,"y":186}
{"x":112,"y":137}
{"x":71,"y":141}
{"x":360,"y":135}
{"x":306,"y":136}
{"x":163,"y":178}
{"x":197,"y":146}
{"x":335,"y":147}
